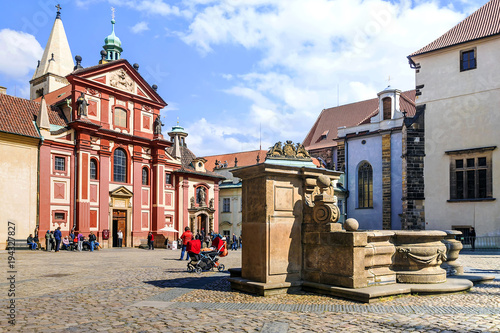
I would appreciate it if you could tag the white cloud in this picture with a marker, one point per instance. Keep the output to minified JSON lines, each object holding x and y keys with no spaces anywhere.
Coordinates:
{"x":152,"y":7}
{"x":308,"y":48}
{"x":19,"y":53}
{"x":140,"y":27}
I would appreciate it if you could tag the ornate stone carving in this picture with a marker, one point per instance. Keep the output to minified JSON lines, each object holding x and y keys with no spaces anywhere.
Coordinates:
{"x":438,"y":258}
{"x":147,"y":108}
{"x":211,"y":204}
{"x":325,"y":209}
{"x":93,"y":92}
{"x":121,"y":80}
{"x":289,"y":151}
{"x":193,"y":202}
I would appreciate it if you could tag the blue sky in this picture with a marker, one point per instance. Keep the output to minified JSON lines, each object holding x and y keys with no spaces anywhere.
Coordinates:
{"x":228,"y":68}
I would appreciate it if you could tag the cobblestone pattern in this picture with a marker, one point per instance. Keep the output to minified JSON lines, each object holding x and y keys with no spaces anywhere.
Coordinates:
{"x":101,"y":291}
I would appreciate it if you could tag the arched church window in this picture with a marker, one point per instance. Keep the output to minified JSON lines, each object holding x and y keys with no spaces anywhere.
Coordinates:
{"x":93,"y":169}
{"x":145,"y":176}
{"x":120,"y":166}
{"x":365,"y":186}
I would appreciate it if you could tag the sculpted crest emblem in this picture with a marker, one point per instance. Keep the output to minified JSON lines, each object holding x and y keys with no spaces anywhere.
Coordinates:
{"x":121,"y":80}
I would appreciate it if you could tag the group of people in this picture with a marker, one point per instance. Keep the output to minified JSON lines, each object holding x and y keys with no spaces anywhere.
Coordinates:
{"x":55,"y":241}
{"x":235,"y":242}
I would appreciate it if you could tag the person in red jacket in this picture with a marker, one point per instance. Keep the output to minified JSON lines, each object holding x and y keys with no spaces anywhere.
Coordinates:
{"x":151,"y":240}
{"x":186,"y":237}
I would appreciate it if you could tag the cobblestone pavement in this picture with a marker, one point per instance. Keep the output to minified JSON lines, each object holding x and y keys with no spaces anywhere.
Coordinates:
{"x":132,"y":290}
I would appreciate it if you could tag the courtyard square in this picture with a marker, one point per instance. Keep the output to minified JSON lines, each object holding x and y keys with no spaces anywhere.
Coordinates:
{"x":134,"y":290}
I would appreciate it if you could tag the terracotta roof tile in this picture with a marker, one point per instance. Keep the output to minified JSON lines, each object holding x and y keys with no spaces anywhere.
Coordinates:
{"x":245,"y":158}
{"x":484,"y":22}
{"x":17,"y":115}
{"x":57,"y":95}
{"x":349,"y":115}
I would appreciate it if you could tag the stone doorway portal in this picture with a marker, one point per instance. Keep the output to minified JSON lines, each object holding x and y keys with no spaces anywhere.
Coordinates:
{"x":119,"y":223}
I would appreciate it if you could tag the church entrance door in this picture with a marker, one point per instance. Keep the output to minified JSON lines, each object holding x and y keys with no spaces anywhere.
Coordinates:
{"x":119,"y":223}
{"x":201,"y":223}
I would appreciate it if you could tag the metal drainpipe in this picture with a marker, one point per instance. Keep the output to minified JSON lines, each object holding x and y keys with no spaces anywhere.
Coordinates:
{"x":37,"y":228}
{"x":346,"y":176}
{"x":74,"y":187}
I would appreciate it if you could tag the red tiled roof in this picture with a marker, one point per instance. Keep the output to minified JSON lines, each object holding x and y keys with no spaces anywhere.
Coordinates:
{"x":17,"y":115}
{"x":57,"y":95}
{"x":349,"y":115}
{"x":484,"y":22}
{"x":245,"y":158}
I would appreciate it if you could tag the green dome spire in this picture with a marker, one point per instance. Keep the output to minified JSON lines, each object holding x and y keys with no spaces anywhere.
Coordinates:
{"x":112,"y":44}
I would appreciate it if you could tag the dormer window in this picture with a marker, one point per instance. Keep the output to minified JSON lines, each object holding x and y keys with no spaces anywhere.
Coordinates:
{"x":324,"y":135}
{"x":467,"y":60}
{"x":387,"y":108}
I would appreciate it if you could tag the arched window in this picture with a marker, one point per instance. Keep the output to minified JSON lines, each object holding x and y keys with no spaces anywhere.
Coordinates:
{"x":120,"y":166}
{"x":120,"y":117}
{"x":365,"y":185}
{"x":387,"y":105}
{"x":145,"y":176}
{"x":93,"y":169}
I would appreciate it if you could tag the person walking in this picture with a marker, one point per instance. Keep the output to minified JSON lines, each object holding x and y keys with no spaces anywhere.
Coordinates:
{"x":234,"y":244}
{"x":48,"y":246}
{"x":151,"y":239}
{"x":186,"y":237}
{"x":472,"y":236}
{"x":92,"y":239}
{"x":120,"y":238}
{"x":57,"y":237}
{"x":80,"y":241}
{"x":52,"y":241}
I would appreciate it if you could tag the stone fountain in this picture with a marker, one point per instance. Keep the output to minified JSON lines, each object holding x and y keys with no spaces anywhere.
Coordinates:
{"x":293,"y":240}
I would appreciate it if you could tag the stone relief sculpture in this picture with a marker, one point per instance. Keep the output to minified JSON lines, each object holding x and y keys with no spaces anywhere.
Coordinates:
{"x":211,"y":204}
{"x":289,"y":151}
{"x":192,"y":200}
{"x":120,"y":80}
{"x":82,"y":104}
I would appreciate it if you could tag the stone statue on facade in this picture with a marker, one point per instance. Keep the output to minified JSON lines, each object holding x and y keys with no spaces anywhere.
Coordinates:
{"x":82,"y":104}
{"x":201,"y":196}
{"x":193,"y":205}
{"x":211,"y":204}
{"x":157,"y":125}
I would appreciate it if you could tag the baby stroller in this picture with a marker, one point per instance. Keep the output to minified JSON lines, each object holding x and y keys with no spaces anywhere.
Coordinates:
{"x":205,"y":260}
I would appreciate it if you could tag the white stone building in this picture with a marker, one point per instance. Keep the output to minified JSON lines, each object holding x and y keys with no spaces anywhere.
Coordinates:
{"x":458,"y":80}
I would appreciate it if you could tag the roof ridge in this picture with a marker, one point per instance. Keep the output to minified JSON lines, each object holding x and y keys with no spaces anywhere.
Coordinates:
{"x":480,"y":24}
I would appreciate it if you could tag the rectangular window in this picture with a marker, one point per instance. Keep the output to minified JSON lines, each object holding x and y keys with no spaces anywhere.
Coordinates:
{"x":120,"y":117}
{"x":226,"y":205}
{"x":60,"y":163}
{"x":168,"y":179}
{"x":226,"y":233}
{"x":467,"y":60}
{"x":471,"y":174}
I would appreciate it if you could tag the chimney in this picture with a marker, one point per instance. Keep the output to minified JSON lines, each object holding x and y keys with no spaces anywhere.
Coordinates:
{"x":3,"y":90}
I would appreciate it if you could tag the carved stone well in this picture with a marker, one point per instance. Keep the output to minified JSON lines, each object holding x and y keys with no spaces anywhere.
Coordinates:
{"x":453,"y":247}
{"x":419,"y":255}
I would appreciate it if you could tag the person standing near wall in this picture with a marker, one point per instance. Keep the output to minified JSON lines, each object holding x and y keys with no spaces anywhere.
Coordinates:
{"x":119,"y":234}
{"x":58,"y":236}
{"x":186,"y":237}
{"x":151,"y":239}
{"x":48,"y":246}
{"x":472,"y":236}
{"x":80,"y":241}
{"x":92,"y":239}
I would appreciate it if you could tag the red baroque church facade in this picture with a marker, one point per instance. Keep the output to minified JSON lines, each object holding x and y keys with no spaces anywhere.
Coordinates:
{"x":104,"y":164}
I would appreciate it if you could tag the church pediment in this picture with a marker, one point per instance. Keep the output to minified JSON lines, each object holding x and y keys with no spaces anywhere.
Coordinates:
{"x":121,"y":75}
{"x":121,"y":191}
